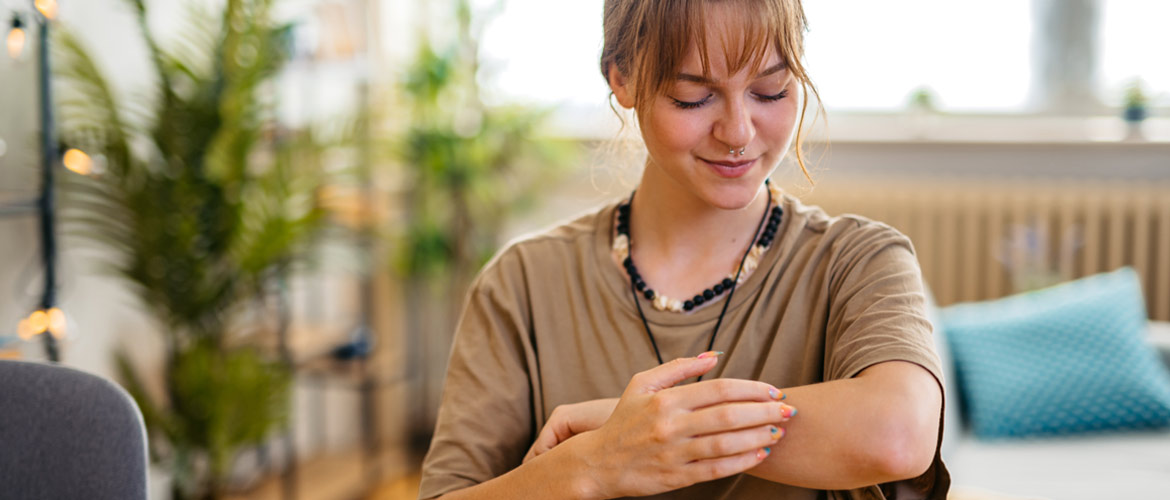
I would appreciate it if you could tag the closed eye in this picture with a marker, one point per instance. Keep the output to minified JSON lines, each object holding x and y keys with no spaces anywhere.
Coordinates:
{"x":773,"y":97}
{"x":691,"y":104}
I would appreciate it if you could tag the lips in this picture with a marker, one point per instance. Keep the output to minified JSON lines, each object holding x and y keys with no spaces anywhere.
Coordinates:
{"x":730,"y":169}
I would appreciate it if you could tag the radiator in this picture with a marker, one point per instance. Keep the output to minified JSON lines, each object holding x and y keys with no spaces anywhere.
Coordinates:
{"x":979,"y":240}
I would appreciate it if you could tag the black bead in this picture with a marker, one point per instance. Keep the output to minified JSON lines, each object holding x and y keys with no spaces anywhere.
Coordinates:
{"x":719,"y":288}
{"x":708,"y":295}
{"x":774,"y":222}
{"x":688,"y":305}
{"x":623,"y":229}
{"x":769,"y":234}
{"x":624,"y":209}
{"x":698,"y":300}
{"x":727,"y":283}
{"x":766,"y":242}
{"x":628,"y":263}
{"x":777,"y":210}
{"x":649,"y":294}
{"x":634,"y":276}
{"x":640,"y":285}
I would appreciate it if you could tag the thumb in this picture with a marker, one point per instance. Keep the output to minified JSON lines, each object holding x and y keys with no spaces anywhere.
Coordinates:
{"x":669,"y":374}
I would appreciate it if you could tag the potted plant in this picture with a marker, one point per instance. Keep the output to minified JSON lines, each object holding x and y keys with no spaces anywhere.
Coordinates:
{"x":469,"y":167}
{"x":1136,"y":103}
{"x":203,"y":201}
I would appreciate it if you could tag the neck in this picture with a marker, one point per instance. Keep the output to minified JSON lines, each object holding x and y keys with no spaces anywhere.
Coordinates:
{"x":680,"y":241}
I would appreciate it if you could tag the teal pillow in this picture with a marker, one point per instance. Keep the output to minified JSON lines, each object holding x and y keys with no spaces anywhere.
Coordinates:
{"x":1067,"y":359}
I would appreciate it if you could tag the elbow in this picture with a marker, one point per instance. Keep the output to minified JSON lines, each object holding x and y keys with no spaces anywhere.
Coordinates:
{"x":903,"y":451}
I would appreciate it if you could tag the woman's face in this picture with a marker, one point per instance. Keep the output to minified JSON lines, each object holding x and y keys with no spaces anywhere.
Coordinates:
{"x":692,"y":129}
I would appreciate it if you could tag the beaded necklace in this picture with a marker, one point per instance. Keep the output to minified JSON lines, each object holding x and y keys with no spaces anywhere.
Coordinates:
{"x":623,"y":246}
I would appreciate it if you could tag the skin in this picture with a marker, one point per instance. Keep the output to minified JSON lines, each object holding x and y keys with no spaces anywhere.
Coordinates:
{"x":691,"y":225}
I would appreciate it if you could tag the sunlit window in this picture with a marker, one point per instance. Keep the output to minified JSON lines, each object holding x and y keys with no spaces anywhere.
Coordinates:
{"x":1134,"y":44}
{"x":971,"y":56}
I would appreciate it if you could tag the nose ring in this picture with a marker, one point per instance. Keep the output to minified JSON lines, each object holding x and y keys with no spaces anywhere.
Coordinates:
{"x":741,"y":151}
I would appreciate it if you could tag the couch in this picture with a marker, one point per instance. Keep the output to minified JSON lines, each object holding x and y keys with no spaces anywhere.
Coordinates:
{"x":1116,"y":465}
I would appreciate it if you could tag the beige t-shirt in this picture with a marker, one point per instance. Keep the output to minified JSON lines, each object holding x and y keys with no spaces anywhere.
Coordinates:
{"x":551,"y":321}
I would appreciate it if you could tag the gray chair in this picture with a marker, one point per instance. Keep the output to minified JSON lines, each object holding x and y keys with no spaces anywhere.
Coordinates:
{"x":68,"y":434}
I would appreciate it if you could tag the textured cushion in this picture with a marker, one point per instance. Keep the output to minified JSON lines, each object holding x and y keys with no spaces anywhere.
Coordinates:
{"x":1066,"y":359}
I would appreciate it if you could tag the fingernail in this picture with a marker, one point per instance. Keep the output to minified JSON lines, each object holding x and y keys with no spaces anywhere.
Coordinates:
{"x":709,"y":354}
{"x":775,"y":432}
{"x":776,"y":394}
{"x":763,"y":453}
{"x":788,"y":411}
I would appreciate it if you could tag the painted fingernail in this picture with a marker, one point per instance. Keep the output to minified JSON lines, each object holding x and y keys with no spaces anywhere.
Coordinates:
{"x":776,"y":394}
{"x":788,"y":411}
{"x":762,"y":454}
{"x":775,"y":432}
{"x":709,"y":354}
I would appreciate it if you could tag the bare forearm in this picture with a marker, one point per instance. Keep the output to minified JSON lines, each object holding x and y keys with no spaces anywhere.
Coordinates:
{"x":878,"y":427}
{"x":555,"y":474}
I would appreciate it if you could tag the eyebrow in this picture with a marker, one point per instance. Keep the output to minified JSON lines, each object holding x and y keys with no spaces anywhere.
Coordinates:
{"x":776,"y":68}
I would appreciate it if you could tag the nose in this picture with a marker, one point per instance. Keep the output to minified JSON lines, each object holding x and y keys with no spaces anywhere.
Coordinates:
{"x":735,"y":128}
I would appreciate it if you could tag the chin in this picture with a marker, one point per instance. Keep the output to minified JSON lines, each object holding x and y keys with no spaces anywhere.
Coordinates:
{"x":733,"y":196}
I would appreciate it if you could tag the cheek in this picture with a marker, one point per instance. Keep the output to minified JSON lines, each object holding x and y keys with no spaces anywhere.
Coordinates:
{"x":675,"y":131}
{"x":777,"y":125}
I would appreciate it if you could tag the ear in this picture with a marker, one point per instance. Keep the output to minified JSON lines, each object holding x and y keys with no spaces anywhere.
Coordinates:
{"x":620,"y":87}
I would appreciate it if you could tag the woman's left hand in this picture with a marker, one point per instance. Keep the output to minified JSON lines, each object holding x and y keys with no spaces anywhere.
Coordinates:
{"x":569,"y":420}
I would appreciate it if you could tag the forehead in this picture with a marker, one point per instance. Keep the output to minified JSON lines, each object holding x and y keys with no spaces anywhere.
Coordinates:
{"x":727,"y":39}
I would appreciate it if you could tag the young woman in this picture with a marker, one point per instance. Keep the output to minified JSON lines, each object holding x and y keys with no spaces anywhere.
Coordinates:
{"x":817,"y":373}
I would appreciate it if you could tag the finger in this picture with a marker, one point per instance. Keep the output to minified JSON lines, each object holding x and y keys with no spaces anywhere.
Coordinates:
{"x":671,"y":373}
{"x":734,"y":416}
{"x":726,"y":444}
{"x":544,"y":442}
{"x":716,"y":468}
{"x":724,"y":390}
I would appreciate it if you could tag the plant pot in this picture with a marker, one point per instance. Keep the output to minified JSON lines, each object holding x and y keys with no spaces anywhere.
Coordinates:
{"x":1134,"y":114}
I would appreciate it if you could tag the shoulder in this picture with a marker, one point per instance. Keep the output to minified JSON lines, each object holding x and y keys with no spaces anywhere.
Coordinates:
{"x":562,"y":246}
{"x":846,"y":234}
{"x":850,"y":246}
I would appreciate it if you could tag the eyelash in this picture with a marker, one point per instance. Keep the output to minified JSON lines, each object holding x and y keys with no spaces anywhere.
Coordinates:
{"x":696,"y":104}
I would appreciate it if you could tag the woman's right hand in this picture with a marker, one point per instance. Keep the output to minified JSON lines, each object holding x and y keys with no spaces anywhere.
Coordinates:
{"x":662,"y":438}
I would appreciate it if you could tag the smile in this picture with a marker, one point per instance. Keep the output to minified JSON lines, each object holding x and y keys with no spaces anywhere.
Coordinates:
{"x":730,"y":169}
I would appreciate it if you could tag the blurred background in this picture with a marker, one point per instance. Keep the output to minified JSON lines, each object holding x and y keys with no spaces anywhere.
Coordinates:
{"x":260,"y":216}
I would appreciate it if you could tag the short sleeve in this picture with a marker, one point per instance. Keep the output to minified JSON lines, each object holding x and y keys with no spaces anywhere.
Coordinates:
{"x":485,"y":421}
{"x":878,"y":313}
{"x":877,"y":308}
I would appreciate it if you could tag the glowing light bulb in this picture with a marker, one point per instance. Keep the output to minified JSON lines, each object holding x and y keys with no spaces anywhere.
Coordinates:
{"x":25,"y":330}
{"x":77,"y":161}
{"x":38,"y":321}
{"x":48,"y":8}
{"x":58,"y":326}
{"x":16,"y":39}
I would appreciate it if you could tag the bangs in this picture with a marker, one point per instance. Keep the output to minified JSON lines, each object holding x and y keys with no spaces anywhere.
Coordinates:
{"x":678,"y":25}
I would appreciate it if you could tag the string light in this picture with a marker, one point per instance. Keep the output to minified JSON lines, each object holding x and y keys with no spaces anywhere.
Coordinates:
{"x":24,"y":330}
{"x":16,"y":38}
{"x":48,"y":8}
{"x":58,"y":326}
{"x":38,"y":321}
{"x":77,"y":161}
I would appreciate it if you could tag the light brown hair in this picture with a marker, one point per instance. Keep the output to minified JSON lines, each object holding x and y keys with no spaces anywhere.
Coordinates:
{"x":647,"y":40}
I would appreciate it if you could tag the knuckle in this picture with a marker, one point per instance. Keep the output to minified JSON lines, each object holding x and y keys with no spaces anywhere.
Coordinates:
{"x":725,"y":389}
{"x":661,"y":431}
{"x":725,"y":417}
{"x":660,"y":402}
{"x":720,"y":447}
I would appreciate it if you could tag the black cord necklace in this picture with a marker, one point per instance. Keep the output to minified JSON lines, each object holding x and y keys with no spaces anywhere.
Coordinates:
{"x":772,"y":216}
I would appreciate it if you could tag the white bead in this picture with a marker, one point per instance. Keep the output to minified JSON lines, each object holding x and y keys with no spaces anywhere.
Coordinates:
{"x":676,"y":305}
{"x":661,"y":302}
